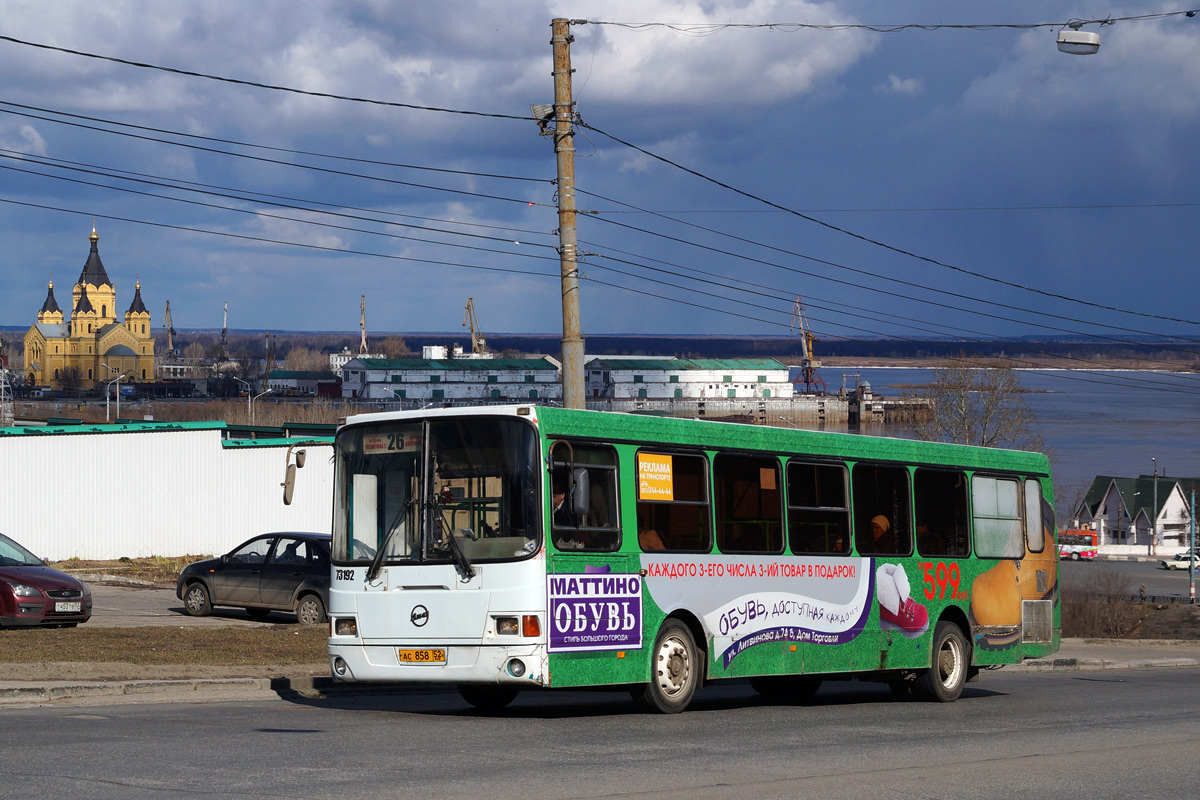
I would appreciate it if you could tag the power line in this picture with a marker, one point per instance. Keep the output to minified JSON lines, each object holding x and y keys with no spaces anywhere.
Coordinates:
{"x":180,"y":184}
{"x":257,"y":213}
{"x":708,"y":28}
{"x":236,"y":194}
{"x":581,"y":123}
{"x":258,"y":85}
{"x":906,"y":322}
{"x":286,"y":243}
{"x":855,"y":270}
{"x":326,"y":170}
{"x":270,"y":148}
{"x":869,"y":240}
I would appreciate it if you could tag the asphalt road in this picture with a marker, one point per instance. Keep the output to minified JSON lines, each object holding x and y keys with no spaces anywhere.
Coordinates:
{"x":1159,"y":582}
{"x":1096,"y":735}
{"x":124,"y":606}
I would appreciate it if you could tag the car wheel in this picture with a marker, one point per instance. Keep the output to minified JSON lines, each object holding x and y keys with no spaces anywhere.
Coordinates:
{"x":674,"y":671}
{"x":488,"y":698}
{"x":944,"y":680}
{"x":258,"y":613}
{"x":196,"y":601}
{"x":310,"y":610}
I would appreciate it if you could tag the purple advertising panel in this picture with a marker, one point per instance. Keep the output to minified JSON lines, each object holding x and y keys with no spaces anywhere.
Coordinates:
{"x":594,"y":612}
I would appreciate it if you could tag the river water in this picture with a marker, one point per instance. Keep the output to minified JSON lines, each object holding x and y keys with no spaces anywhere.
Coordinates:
{"x":1093,"y":423}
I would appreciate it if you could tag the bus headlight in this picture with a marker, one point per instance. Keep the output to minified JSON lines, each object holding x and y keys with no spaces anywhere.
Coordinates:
{"x":340,"y":668}
{"x":516,"y":667}
{"x":345,"y":626}
{"x":507,"y":626}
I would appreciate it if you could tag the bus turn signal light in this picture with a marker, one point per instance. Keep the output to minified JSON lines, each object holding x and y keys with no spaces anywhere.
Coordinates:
{"x":530,"y":625}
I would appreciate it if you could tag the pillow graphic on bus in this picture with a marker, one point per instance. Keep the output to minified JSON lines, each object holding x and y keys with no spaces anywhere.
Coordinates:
{"x":897,"y":610}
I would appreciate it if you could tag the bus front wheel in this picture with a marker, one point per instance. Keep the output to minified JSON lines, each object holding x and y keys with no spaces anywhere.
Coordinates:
{"x":674,"y":671}
{"x":943,"y":681}
{"x":489,"y":698}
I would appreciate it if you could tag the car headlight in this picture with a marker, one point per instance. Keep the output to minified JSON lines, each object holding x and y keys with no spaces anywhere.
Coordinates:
{"x":21,"y":590}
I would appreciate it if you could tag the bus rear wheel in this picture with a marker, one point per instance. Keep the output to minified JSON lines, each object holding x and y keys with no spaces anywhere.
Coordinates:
{"x":674,"y":671}
{"x":488,"y":698}
{"x":944,"y":680}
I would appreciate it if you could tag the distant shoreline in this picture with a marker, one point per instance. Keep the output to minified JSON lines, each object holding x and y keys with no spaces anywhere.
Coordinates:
{"x":1025,"y":364}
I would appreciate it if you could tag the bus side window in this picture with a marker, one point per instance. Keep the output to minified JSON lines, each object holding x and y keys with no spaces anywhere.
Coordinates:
{"x":940,"y":505}
{"x":881,"y":514}
{"x":818,"y":514}
{"x":1035,"y":537}
{"x":584,"y":502}
{"x":672,"y":503}
{"x":996,"y":513}
{"x":748,"y":503}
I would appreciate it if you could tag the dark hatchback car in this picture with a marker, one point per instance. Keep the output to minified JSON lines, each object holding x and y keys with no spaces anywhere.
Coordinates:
{"x":32,"y":593}
{"x":271,"y":572}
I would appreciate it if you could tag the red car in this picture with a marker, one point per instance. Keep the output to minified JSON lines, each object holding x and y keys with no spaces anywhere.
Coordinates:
{"x":32,"y":593}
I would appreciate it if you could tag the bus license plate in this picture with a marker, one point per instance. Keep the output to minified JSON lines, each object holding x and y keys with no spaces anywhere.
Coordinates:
{"x":423,"y":656}
{"x":62,"y":606}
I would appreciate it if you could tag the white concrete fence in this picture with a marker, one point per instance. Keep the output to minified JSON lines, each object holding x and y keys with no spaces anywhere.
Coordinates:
{"x":137,"y":490}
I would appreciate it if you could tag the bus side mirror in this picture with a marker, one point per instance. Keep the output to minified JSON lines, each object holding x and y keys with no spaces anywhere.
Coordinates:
{"x":289,"y":484}
{"x":581,"y":495}
{"x":300,"y":458}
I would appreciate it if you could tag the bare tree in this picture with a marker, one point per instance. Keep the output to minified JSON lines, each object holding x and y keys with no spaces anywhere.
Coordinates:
{"x":979,"y":402}
{"x":304,"y":360}
{"x":394,"y":347}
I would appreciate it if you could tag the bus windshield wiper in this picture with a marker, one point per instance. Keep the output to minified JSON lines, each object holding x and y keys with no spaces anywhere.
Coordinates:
{"x":377,"y":561}
{"x":461,"y":562}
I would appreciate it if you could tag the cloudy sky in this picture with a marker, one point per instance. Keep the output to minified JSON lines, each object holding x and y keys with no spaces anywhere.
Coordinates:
{"x":918,"y":183}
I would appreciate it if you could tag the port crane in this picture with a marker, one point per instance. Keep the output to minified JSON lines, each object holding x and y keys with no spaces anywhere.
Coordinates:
{"x":362,"y":324}
{"x":813,"y":383}
{"x":478,"y":343}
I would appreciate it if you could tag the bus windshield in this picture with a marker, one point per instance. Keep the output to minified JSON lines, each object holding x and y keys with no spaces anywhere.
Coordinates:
{"x":442,"y":491}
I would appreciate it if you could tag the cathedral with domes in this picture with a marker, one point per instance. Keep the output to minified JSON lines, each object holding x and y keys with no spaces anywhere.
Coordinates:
{"x":91,"y":348}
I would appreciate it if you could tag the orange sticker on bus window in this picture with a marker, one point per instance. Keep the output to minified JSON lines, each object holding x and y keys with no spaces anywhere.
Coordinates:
{"x":655,"y":477}
{"x":766,"y":479}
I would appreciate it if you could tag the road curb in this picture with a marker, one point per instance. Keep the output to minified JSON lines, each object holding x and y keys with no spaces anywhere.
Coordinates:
{"x":1088,"y":664}
{"x":67,"y":693}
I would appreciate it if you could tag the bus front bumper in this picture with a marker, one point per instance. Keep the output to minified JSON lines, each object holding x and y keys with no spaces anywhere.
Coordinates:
{"x":513,"y":665}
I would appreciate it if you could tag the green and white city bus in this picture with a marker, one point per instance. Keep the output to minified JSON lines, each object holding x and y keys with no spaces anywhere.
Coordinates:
{"x":523,"y":547}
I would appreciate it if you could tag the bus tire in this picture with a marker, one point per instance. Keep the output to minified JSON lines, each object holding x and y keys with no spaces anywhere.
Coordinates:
{"x":488,"y":698}
{"x":674,"y":671}
{"x":796,"y":688}
{"x":944,"y":680}
{"x":1074,"y":556}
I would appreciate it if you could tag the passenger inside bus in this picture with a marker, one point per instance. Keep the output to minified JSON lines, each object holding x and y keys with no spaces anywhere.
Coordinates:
{"x":883,"y":538}
{"x":650,"y":540}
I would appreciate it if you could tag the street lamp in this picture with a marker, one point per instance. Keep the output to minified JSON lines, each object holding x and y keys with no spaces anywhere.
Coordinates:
{"x":1077,"y":42}
{"x":249,"y":395}
{"x":108,"y":391}
{"x":268,"y":391}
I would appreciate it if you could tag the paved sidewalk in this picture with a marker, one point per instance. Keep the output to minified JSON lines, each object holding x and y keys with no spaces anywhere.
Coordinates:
{"x":1074,"y":655}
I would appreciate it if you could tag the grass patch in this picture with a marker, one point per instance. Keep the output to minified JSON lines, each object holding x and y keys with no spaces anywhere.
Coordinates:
{"x":282,"y":645}
{"x":156,"y":569}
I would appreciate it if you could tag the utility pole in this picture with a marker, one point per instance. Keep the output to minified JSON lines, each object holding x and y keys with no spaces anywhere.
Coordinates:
{"x":1154,"y":515}
{"x":564,"y":149}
